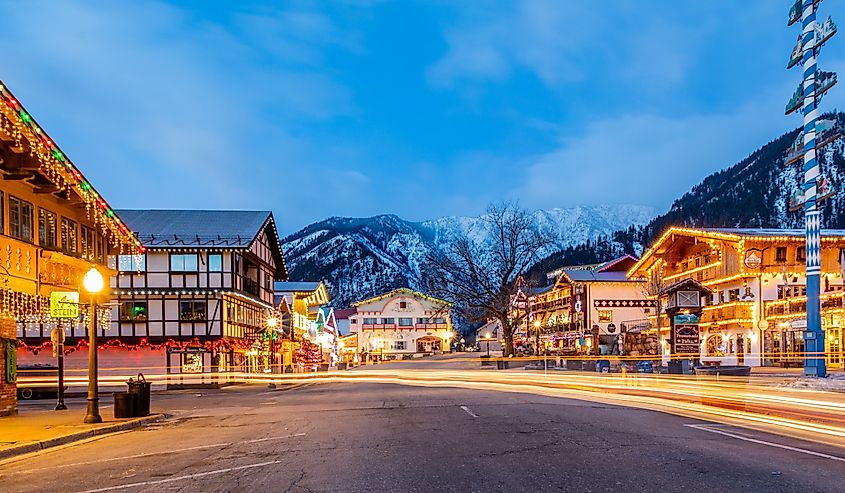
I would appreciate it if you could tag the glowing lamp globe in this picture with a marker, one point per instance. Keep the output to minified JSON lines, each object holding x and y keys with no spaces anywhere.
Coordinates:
{"x":272,"y":322}
{"x":93,"y":281}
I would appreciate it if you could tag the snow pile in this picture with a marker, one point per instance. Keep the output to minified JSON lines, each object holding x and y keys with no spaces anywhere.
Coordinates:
{"x":835,"y":382}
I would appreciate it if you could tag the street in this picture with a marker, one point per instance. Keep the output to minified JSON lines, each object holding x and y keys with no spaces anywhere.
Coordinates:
{"x":383,"y":437}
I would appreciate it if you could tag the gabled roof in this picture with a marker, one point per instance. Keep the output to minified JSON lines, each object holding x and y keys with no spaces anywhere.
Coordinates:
{"x":28,"y":139}
{"x":686,"y":283}
{"x":163,"y":228}
{"x":578,"y":275}
{"x":735,"y":235}
{"x":406,"y":291}
{"x":344,"y":313}
{"x":622,"y":264}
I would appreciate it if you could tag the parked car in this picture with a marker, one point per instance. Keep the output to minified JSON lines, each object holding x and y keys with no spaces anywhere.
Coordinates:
{"x":38,"y":381}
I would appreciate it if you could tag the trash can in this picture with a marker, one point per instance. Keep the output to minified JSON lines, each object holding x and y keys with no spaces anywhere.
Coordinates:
{"x":124,"y":404}
{"x":140,"y":390}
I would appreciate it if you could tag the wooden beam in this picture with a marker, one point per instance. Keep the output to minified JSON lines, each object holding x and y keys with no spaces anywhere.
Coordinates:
{"x":18,"y":176}
{"x":45,"y":189}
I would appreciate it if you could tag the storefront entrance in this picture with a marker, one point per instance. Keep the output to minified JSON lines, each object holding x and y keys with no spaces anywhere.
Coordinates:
{"x":428,"y":344}
{"x":834,"y":347}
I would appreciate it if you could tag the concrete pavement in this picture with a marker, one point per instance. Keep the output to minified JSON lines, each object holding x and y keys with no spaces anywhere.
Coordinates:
{"x":378,"y":437}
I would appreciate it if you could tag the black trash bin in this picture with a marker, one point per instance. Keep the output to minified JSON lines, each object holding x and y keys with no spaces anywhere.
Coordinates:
{"x":140,"y":390}
{"x":124,"y":404}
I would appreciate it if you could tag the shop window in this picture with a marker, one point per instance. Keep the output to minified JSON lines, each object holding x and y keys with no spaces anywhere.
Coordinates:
{"x":192,"y":362}
{"x":192,"y":311}
{"x":406,"y":322}
{"x":398,"y":345}
{"x":715,"y":345}
{"x":184,"y":262}
{"x":20,"y":219}
{"x":132,"y":263}
{"x":133,"y":311}
{"x":215,"y":262}
{"x":780,"y":254}
{"x":605,"y":316}
{"x":800,"y":254}
{"x":48,"y":223}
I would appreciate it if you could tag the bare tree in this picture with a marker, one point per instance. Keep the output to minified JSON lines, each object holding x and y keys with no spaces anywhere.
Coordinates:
{"x":478,"y":272}
{"x":653,"y":288}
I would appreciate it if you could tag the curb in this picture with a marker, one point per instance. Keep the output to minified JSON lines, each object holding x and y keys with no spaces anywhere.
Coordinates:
{"x":77,"y":437}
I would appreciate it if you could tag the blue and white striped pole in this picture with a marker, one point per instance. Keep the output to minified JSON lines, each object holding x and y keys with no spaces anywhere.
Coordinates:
{"x":814,"y":341}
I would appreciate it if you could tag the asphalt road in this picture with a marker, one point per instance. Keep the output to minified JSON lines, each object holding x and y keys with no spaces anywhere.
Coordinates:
{"x":382,"y":437}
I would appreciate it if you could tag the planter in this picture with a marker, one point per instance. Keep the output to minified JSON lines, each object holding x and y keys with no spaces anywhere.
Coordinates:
{"x":725,"y":371}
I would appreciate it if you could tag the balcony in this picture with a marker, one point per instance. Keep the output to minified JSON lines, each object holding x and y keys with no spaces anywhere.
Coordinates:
{"x":734,"y":311}
{"x":431,"y":326}
{"x":251,"y":287}
{"x":379,"y":326}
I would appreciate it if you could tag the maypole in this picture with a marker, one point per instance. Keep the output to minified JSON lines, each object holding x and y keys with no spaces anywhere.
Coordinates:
{"x":807,"y":97}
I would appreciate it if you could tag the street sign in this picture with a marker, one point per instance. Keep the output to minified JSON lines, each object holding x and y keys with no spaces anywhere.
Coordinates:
{"x":64,"y":304}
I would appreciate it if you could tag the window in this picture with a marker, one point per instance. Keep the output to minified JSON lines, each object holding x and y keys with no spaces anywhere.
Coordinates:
{"x":133,"y":311}
{"x":69,"y":237}
{"x":190,"y":311}
{"x":100,"y":245}
{"x":132,"y":263}
{"x":86,"y":246}
{"x":406,"y":322}
{"x":388,"y":321}
{"x":215,"y":262}
{"x":398,"y":345}
{"x":353,"y":320}
{"x":370,"y":321}
{"x":733,"y":294}
{"x":780,"y":254}
{"x":800,"y":254}
{"x":688,"y":298}
{"x":184,"y":262}
{"x":403,"y":304}
{"x":47,"y":225}
{"x":605,"y":316}
{"x":20,"y":219}
{"x":422,"y":320}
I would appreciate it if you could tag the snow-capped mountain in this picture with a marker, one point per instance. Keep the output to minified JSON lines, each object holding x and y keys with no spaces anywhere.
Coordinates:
{"x":360,"y":257}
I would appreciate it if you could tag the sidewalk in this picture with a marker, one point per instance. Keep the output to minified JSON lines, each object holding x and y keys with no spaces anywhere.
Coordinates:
{"x":38,"y":428}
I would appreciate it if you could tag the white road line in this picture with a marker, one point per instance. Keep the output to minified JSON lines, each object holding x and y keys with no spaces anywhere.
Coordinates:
{"x":274,"y":438}
{"x":163,"y":452}
{"x":182,"y":478}
{"x":469,"y":412}
{"x":769,"y":444}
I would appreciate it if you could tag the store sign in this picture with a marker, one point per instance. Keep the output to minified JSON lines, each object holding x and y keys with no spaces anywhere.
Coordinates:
{"x":801,"y":323}
{"x":64,"y":304}
{"x":686,"y":318}
{"x":753,"y":258}
{"x":687,"y":339}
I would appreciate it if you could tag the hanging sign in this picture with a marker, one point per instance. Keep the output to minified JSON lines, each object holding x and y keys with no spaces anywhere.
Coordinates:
{"x":11,"y":355}
{"x":64,"y":304}
{"x":753,"y":258}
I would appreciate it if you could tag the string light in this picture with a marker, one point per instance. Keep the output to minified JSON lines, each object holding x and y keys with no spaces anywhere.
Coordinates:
{"x":20,"y":128}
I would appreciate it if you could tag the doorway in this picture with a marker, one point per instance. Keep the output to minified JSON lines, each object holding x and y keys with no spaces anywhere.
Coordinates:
{"x":834,"y":347}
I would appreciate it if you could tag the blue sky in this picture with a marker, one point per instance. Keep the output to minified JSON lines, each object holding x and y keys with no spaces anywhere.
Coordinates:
{"x":423,"y":109}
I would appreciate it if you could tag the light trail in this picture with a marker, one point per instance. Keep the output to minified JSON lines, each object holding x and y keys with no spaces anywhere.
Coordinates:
{"x":819,"y":416}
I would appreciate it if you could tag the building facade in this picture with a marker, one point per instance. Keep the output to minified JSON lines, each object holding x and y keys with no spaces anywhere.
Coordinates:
{"x":756,"y":314}
{"x":400,"y":324}
{"x":308,"y":321}
{"x":54,"y":227}
{"x":196,"y":302}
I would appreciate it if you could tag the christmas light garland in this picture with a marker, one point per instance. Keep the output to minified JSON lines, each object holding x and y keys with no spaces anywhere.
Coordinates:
{"x":82,"y":344}
{"x":19,"y":126}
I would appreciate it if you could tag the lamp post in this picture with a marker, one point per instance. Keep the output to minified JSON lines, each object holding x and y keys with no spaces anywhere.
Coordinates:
{"x":487,"y":337}
{"x":537,"y":332}
{"x":93,"y":284}
{"x":272,"y":322}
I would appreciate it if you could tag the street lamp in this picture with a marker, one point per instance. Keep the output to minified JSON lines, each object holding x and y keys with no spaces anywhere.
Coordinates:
{"x":93,"y":284}
{"x":537,"y":331}
{"x":271,"y":323}
{"x":487,"y":337}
